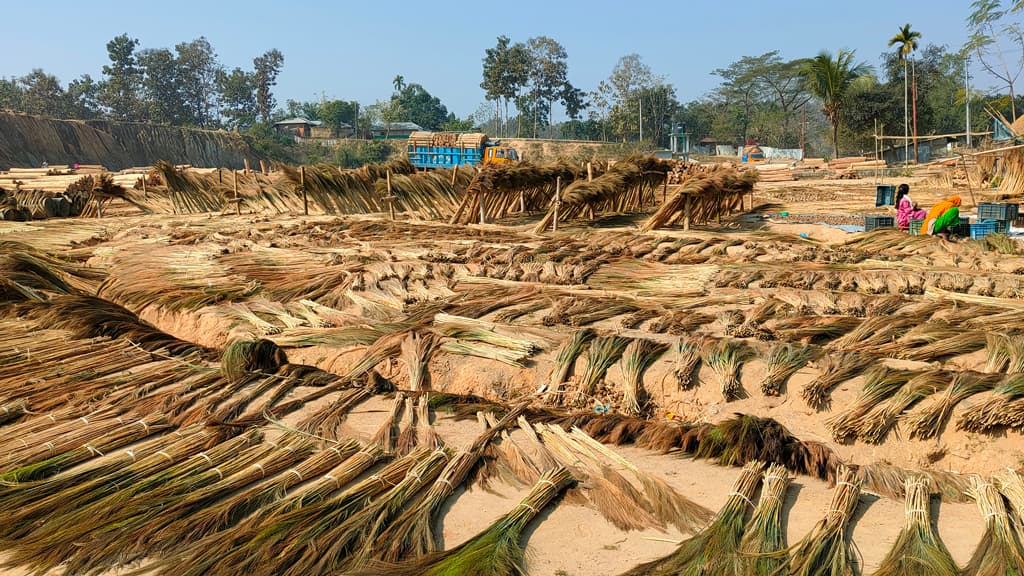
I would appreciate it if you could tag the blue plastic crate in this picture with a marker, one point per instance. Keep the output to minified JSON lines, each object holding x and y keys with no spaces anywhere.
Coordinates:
{"x":915,"y":226}
{"x":885,"y":195}
{"x":872,"y":222}
{"x":982,"y":229}
{"x":1001,"y":226}
{"x":997,"y":211}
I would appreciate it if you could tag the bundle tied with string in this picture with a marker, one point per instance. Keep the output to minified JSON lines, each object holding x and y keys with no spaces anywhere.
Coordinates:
{"x":244,"y":357}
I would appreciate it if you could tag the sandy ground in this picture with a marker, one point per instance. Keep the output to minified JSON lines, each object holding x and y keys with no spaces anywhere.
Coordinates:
{"x":574,"y":540}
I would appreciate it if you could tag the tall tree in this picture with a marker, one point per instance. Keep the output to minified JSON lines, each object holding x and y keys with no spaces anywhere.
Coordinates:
{"x":197,"y":70}
{"x":337,"y":113}
{"x":119,"y":92}
{"x":238,"y":98}
{"x":415,"y":104}
{"x":906,"y":42}
{"x":83,"y":98}
{"x":161,"y":93}
{"x":266,"y":67}
{"x":42,"y":94}
{"x":830,"y":80}
{"x":624,"y":89}
{"x":548,"y":75}
{"x":10,"y":94}
{"x":398,"y":82}
{"x":505,"y":74}
{"x":986,"y":39}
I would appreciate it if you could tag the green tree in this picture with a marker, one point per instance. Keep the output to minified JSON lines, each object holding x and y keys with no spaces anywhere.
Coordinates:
{"x":548,"y":77}
{"x":266,"y":67}
{"x":337,"y":113}
{"x":83,"y":98}
{"x":415,"y":104}
{"x":10,"y":94}
{"x":161,"y":97}
{"x":991,"y":40}
{"x":197,"y":70}
{"x":398,"y":82}
{"x":42,"y":94}
{"x":238,"y":98}
{"x":906,"y":41}
{"x":505,"y":74}
{"x":119,"y":91}
{"x":830,"y":80}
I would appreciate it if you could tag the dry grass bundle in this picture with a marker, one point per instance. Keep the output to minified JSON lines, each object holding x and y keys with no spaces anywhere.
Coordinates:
{"x":687,"y":364}
{"x":884,"y":479}
{"x":874,"y":331}
{"x":918,"y":549}
{"x":714,"y":550}
{"x":782,"y":361}
{"x":602,"y":353}
{"x":407,"y":438}
{"x":387,"y":435}
{"x":243,"y":358}
{"x":703,"y":196}
{"x":962,"y":342}
{"x":999,"y":551}
{"x":427,"y":435}
{"x":667,"y":505}
{"x":997,"y":352}
{"x":412,"y":534}
{"x":880,"y":383}
{"x":495,"y":551}
{"x":568,"y":352}
{"x":639,"y":355}
{"x":931,"y":419}
{"x":834,"y":369}
{"x":827,"y":550}
{"x":992,"y":413}
{"x":763,"y":547}
{"x":416,"y":355}
{"x":725,"y":357}
{"x":1011,"y":486}
{"x":876,"y":423}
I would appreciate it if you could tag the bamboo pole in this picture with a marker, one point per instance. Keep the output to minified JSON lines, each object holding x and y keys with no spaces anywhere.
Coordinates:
{"x":263,"y":167}
{"x":302,"y":184}
{"x":391,"y":198}
{"x":234,"y":185}
{"x":245,"y":161}
{"x":144,"y":193}
{"x":558,"y":202}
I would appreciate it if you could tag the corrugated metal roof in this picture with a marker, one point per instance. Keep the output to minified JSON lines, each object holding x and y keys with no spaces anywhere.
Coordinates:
{"x":297,"y":121}
{"x":411,"y":126}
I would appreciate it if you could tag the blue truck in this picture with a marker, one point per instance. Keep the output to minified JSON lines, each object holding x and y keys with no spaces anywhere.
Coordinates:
{"x":450,"y":149}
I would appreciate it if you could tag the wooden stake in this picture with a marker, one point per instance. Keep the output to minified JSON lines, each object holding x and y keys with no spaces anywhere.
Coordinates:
{"x":558,"y":201}
{"x":246,"y":162}
{"x":686,"y":211}
{"x":263,"y":167}
{"x":455,"y":172}
{"x":144,"y":193}
{"x":99,"y":207}
{"x":391,"y":198}
{"x":234,"y":184}
{"x":302,"y":184}
{"x":590,"y":178}
{"x":522,"y":203}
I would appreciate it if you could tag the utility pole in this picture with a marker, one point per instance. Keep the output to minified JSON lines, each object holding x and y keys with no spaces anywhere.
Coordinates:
{"x":967,"y":96}
{"x":641,"y":118}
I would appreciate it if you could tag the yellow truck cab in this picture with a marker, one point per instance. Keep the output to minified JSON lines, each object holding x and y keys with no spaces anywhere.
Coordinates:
{"x":500,"y":155}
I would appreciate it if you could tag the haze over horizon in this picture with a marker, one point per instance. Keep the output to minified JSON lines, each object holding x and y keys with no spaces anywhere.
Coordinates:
{"x":353,"y":51}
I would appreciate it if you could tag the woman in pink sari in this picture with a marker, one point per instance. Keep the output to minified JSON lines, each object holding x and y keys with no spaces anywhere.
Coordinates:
{"x":906,"y":209}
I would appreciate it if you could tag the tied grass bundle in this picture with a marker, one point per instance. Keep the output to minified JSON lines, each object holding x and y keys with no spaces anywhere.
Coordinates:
{"x":245,"y":357}
{"x":495,"y":551}
{"x":888,"y":480}
{"x":639,"y":355}
{"x":763,"y":547}
{"x":835,"y":369}
{"x":918,"y":550}
{"x":783,"y":361}
{"x":880,"y":383}
{"x":413,"y":533}
{"x":725,"y":358}
{"x":876,"y":424}
{"x":713,"y":550}
{"x":827,"y":551}
{"x":666,"y":504}
{"x":999,"y":552}
{"x":416,"y":354}
{"x":927,"y":422}
{"x":428,"y":436}
{"x":604,"y":351}
{"x":567,"y":355}
{"x":387,"y":434}
{"x":407,"y":438}
{"x":992,"y":412}
{"x":687,"y":363}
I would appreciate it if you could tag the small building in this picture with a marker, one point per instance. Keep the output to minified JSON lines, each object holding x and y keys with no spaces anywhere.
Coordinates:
{"x":297,"y":127}
{"x":394,"y":130}
{"x":344,"y":130}
{"x":707,"y":145}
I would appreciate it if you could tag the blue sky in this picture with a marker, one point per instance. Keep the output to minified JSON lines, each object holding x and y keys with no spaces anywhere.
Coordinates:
{"x":352,"y":50}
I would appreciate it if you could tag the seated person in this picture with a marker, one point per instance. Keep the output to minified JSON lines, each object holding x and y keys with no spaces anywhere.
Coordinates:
{"x":906,"y":208}
{"x":941,"y":217}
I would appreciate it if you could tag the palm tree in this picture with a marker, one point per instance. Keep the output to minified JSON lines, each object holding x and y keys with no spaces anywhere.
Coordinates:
{"x":399,"y":83}
{"x":830,"y":81}
{"x":907,"y":41}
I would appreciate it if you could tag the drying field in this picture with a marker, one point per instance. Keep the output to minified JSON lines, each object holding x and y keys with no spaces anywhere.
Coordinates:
{"x":200,"y":394}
